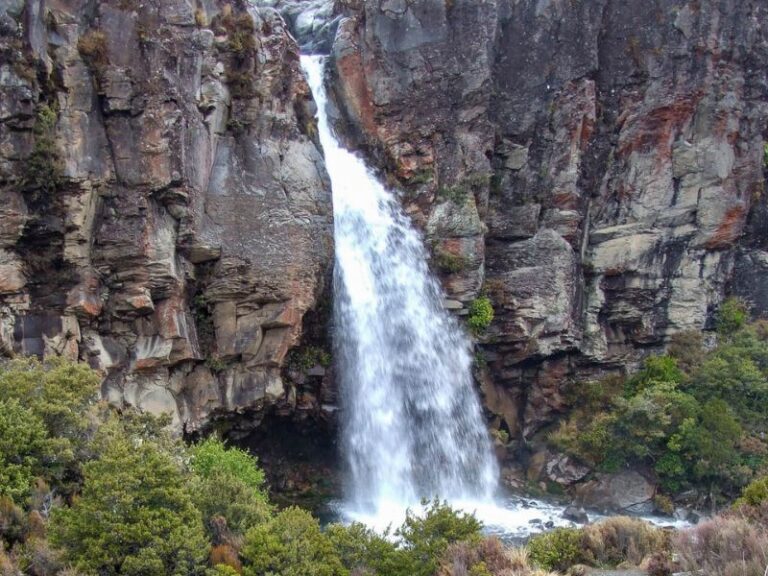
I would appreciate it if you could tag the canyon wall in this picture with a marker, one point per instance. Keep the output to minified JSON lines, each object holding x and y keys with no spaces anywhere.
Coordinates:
{"x":165,"y":212}
{"x":596,"y":168}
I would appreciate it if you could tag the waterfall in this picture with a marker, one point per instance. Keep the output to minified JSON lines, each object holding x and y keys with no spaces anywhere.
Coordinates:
{"x":412,"y":425}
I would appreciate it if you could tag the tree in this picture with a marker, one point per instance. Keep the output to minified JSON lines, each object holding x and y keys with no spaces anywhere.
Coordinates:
{"x":426,"y":537}
{"x":135,"y":515}
{"x":290,"y":544}
{"x":59,"y":394}
{"x":23,"y":446}
{"x":227,"y":485}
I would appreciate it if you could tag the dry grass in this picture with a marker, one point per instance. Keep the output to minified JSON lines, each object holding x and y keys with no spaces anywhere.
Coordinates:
{"x":94,"y":49}
{"x":488,"y":557}
{"x":621,"y":540}
{"x":724,"y":546}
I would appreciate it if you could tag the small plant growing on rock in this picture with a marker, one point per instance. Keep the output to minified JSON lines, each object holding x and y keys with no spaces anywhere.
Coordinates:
{"x":93,"y":48}
{"x":731,"y":317}
{"x":450,"y":263}
{"x":480,"y":315}
{"x":42,"y":172}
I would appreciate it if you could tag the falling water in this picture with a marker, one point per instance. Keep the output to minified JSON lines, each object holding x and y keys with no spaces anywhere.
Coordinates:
{"x":412,"y":423}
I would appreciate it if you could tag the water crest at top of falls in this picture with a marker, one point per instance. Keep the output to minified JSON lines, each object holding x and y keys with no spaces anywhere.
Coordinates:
{"x":412,"y":425}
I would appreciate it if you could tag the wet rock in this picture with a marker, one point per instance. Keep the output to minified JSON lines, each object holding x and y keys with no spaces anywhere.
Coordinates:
{"x":576,"y":514}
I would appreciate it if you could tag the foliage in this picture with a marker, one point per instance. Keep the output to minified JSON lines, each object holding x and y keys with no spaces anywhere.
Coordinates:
{"x":228,"y":485}
{"x":754,"y":494}
{"x":611,"y":542}
{"x":307,"y":357}
{"x":134,"y":515}
{"x":51,"y":401}
{"x":731,"y":317}
{"x":211,"y":457}
{"x":94,"y":49}
{"x":23,"y":446}
{"x":450,"y":263}
{"x":290,"y":544}
{"x":480,"y":315}
{"x":694,"y":416}
{"x":42,"y":170}
{"x":723,"y":546}
{"x":363,"y":551}
{"x":426,"y":537}
{"x":556,"y":550}
{"x":486,"y":557}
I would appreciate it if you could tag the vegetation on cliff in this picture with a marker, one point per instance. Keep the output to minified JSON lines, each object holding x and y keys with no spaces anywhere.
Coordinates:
{"x":695,"y":417}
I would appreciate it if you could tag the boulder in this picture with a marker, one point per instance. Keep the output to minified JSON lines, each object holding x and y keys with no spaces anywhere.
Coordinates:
{"x":627,"y":491}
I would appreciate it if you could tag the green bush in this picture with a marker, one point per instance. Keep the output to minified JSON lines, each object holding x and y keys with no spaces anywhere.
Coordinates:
{"x":54,"y":400}
{"x":557,"y":550}
{"x":211,"y":458}
{"x":699,"y":427}
{"x":480,"y":315}
{"x":23,"y":446}
{"x":290,"y":544}
{"x":755,"y":493}
{"x":732,"y":316}
{"x":425,"y":537}
{"x":134,"y":516}
{"x":363,"y":551}
{"x":227,"y":485}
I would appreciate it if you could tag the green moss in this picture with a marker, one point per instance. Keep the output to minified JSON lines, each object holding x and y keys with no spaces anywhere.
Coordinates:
{"x":765,"y":154}
{"x":451,"y":263}
{"x":480,"y":315}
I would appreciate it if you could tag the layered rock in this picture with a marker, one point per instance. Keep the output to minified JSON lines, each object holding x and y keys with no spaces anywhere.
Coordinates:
{"x":596,"y":169}
{"x":166,"y":213}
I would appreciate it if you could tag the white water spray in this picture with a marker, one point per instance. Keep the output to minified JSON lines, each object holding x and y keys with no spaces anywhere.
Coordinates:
{"x":412,"y":425}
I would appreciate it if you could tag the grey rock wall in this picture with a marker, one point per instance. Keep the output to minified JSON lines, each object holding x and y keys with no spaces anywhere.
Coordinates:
{"x":166,"y":215}
{"x":597,"y":169}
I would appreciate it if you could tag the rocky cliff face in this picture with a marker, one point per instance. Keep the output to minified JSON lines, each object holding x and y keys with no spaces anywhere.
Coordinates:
{"x":595,"y":167}
{"x":165,"y":210}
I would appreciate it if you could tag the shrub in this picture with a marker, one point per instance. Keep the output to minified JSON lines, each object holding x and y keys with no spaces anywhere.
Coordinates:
{"x":619,"y":540}
{"x":94,"y":49}
{"x":134,"y":515}
{"x":557,"y":550}
{"x":731,"y":317}
{"x":755,"y":493}
{"x":484,"y":558}
{"x":723,"y":546}
{"x":290,"y":544}
{"x":426,"y":537}
{"x":450,"y":263}
{"x":225,"y":555}
{"x":480,"y":315}
{"x":211,"y":457}
{"x":23,"y":446}
{"x":42,"y":172}
{"x":362,"y":551}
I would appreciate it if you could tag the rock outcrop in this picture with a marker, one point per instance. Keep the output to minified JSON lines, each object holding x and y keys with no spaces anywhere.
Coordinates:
{"x":597,"y":169}
{"x":165,"y":210}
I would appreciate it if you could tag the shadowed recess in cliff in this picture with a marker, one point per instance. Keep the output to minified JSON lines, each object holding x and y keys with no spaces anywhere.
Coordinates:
{"x":412,"y":423}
